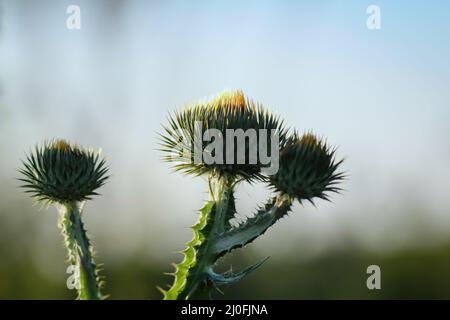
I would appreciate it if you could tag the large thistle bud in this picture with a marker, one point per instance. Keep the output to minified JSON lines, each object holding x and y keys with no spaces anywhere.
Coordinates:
{"x":228,"y":114}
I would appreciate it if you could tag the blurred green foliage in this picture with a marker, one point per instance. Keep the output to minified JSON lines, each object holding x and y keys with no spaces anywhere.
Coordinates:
{"x":407,"y":273}
{"x":29,"y":236}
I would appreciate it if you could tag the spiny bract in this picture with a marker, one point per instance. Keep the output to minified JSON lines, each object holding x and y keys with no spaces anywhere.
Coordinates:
{"x":308,"y":169}
{"x":228,"y":111}
{"x":60,"y":172}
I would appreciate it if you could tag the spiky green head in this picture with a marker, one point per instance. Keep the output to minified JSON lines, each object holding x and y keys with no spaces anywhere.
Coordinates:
{"x":60,"y":172}
{"x":228,"y":111}
{"x":308,"y":169}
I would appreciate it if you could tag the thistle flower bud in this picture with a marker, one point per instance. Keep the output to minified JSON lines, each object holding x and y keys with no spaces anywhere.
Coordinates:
{"x":308,"y":169}
{"x":229,"y":113}
{"x":59,"y":172}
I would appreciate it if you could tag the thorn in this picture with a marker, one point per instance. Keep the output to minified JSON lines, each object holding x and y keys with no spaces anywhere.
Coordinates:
{"x":161,"y":290}
{"x":217,"y":288}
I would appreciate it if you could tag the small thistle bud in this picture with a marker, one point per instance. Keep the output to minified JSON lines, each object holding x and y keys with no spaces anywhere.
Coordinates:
{"x":229,"y":114}
{"x":67,"y":175}
{"x":308,"y":169}
{"x":63,"y":173}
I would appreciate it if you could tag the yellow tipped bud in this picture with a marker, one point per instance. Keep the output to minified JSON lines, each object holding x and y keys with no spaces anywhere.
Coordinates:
{"x":235,"y":99}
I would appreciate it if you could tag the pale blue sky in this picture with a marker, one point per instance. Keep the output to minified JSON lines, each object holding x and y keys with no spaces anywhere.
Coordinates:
{"x":382,"y":96}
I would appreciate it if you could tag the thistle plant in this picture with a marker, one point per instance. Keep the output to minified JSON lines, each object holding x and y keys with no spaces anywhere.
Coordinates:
{"x":67,"y":176}
{"x":306,"y":169}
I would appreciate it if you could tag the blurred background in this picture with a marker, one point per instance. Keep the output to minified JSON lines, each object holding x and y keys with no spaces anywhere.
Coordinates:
{"x":381,"y":96}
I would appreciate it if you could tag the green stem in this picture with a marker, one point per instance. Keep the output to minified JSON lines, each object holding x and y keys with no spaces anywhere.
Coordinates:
{"x":199,"y":285}
{"x":192,"y":273}
{"x":80,"y":252}
{"x":214,"y":237}
{"x":275,"y":209}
